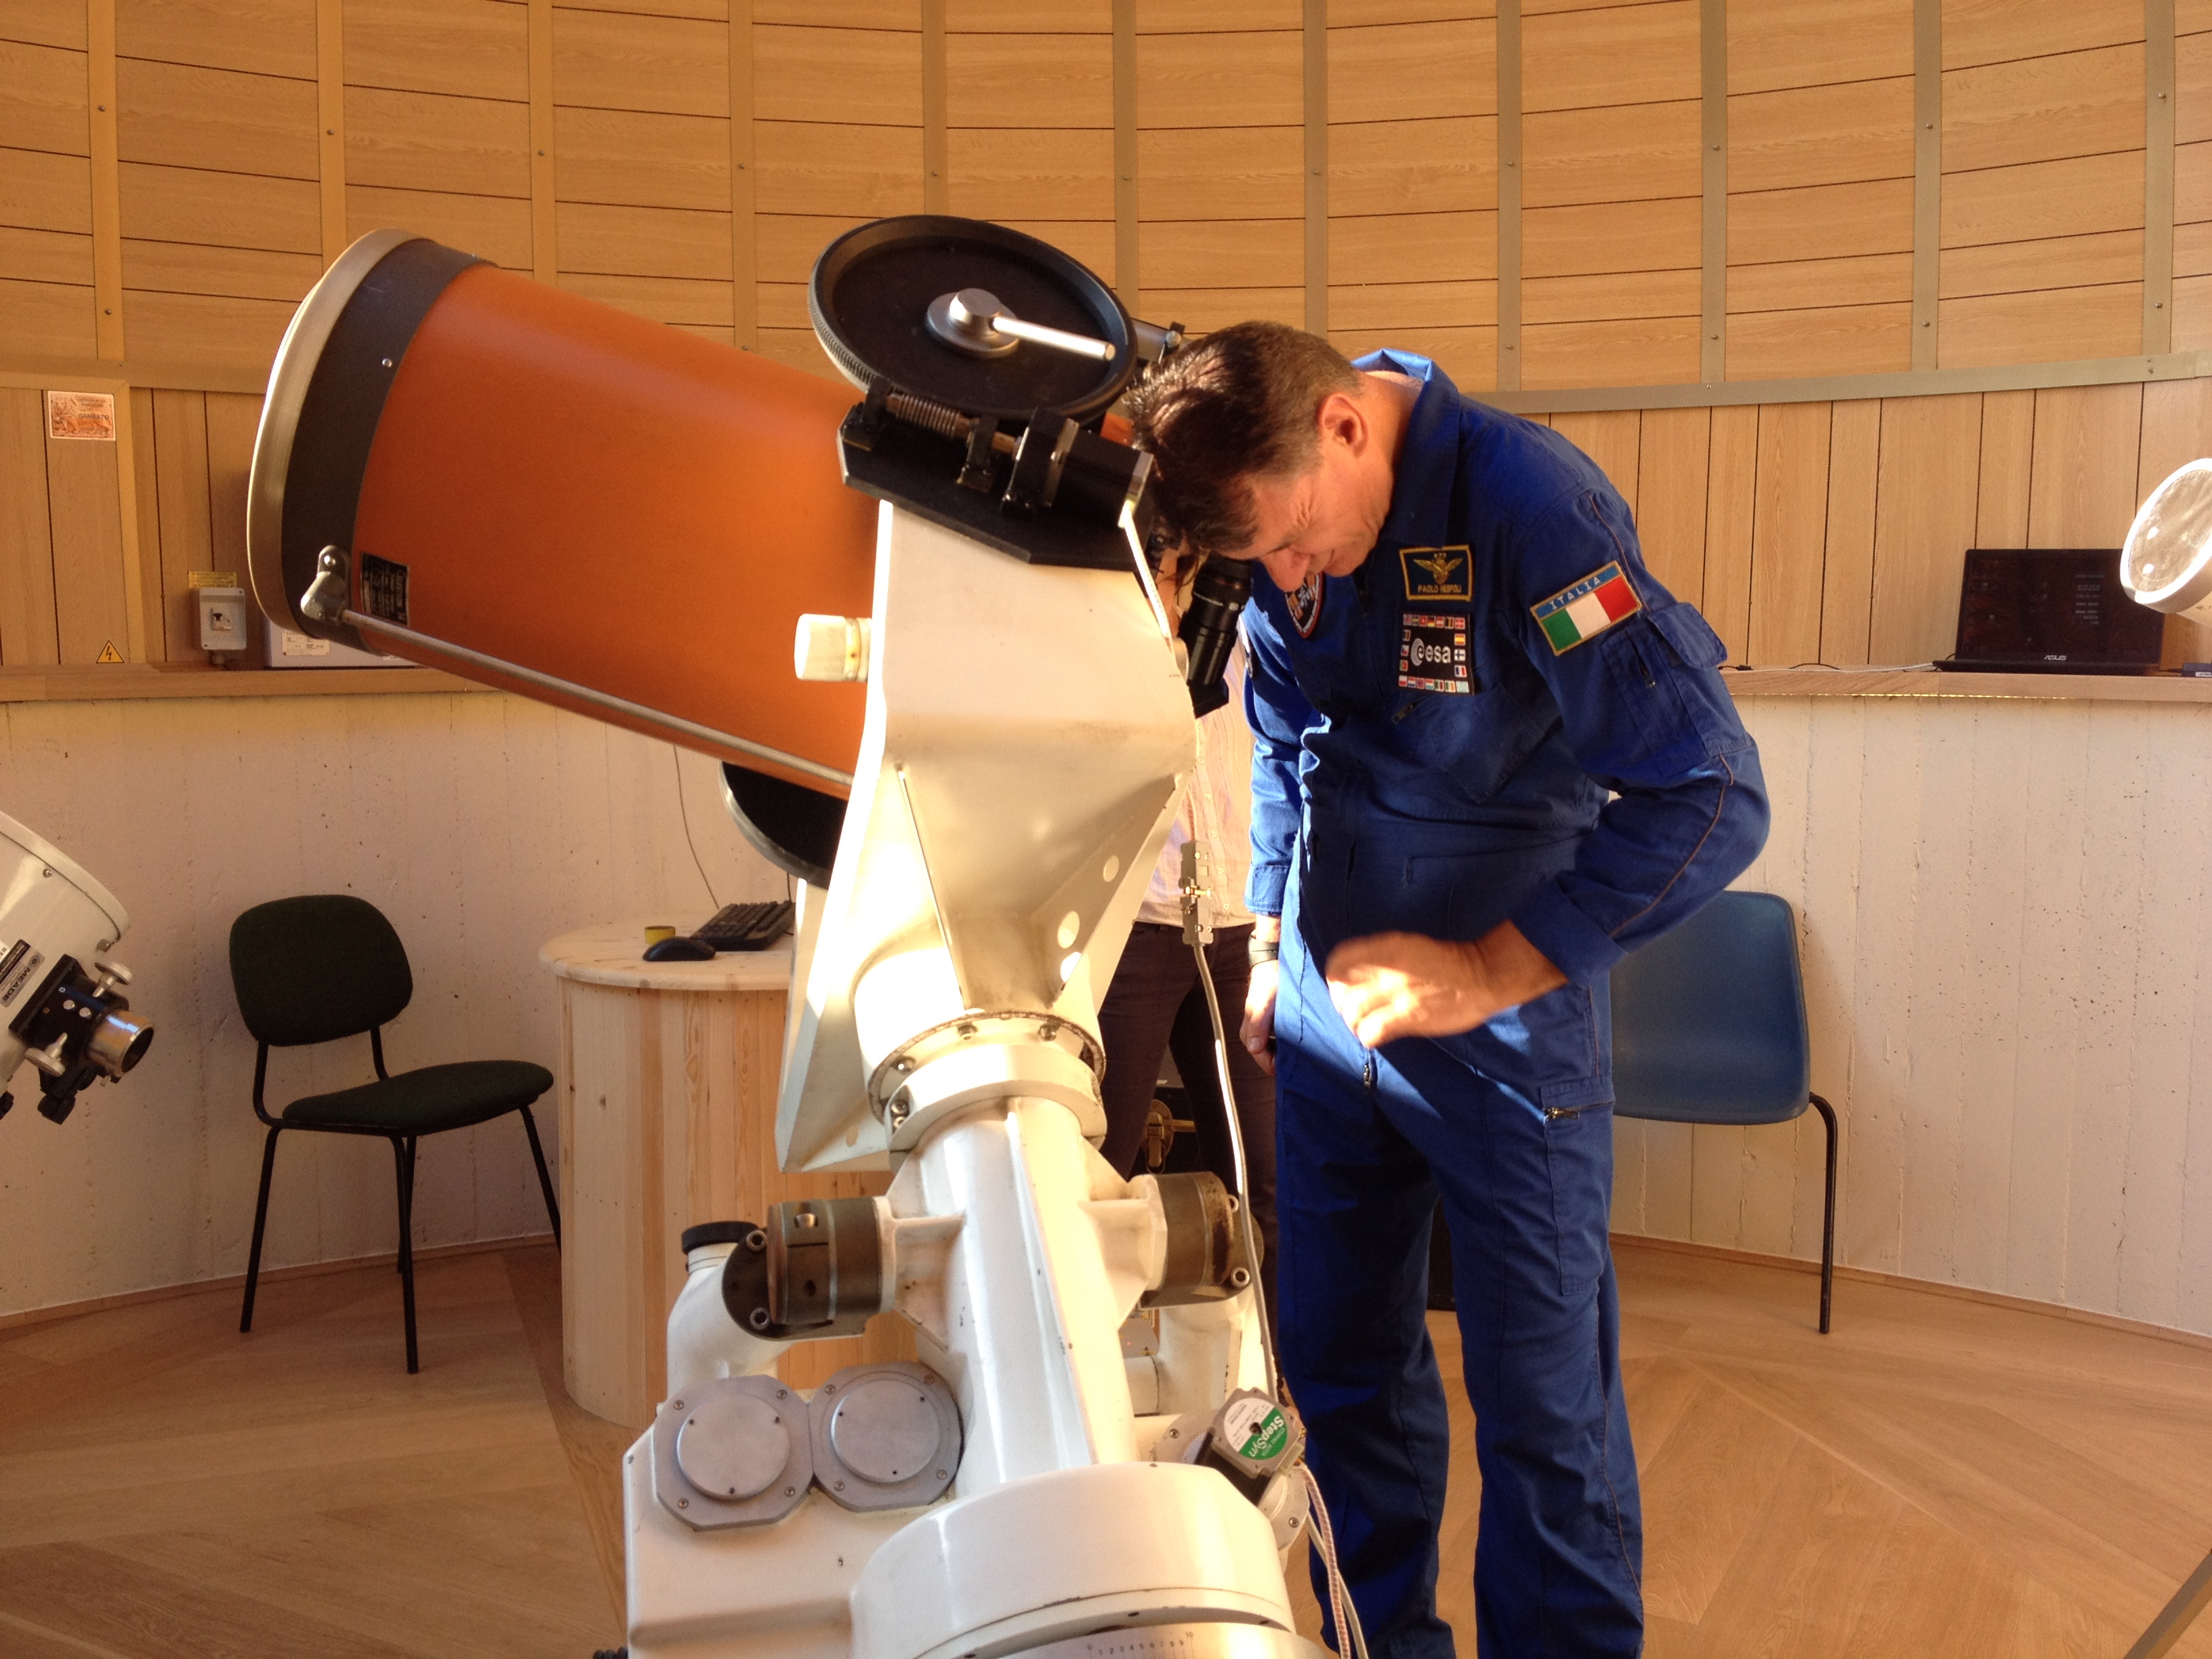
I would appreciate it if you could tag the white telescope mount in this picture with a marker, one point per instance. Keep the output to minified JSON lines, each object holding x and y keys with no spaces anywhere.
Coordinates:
{"x":1028,"y":1486}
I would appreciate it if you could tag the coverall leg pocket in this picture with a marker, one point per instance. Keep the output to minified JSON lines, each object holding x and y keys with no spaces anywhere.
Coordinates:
{"x":1579,"y":1155}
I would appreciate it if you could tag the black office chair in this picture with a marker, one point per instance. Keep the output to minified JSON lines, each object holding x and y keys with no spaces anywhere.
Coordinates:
{"x":325,"y":966}
{"x":1708,"y":1027}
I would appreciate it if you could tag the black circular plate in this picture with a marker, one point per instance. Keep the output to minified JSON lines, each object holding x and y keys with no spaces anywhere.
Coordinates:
{"x":870,"y":300}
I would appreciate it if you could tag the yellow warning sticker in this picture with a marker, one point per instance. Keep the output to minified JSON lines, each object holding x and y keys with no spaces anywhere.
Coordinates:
{"x":109,"y":654}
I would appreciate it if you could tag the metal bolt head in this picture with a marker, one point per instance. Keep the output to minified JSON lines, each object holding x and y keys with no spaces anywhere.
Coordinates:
{"x":676,"y":1405}
{"x":683,"y":1503}
{"x":791,"y":1491}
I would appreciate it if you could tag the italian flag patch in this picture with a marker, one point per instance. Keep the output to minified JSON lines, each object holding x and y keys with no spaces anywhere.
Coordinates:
{"x":1586,"y":610}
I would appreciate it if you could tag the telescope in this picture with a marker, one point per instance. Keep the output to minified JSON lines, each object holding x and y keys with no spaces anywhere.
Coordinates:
{"x":61,"y":1006}
{"x":920,"y":631}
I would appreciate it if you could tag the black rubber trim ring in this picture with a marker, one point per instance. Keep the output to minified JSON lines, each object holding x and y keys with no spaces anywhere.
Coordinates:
{"x":717,"y":1233}
{"x":344,"y":402}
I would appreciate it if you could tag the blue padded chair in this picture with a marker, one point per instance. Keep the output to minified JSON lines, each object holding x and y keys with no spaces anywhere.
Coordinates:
{"x":1708,"y":1027}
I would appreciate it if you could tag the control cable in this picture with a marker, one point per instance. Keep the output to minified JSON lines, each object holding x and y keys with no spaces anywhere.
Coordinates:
{"x":1198,"y":930}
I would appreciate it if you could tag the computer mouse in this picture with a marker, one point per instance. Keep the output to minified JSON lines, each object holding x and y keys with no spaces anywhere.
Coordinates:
{"x":682,"y":948}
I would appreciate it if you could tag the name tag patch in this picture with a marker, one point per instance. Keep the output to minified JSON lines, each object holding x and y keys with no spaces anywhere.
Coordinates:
{"x":1432,"y":654}
{"x":1581,"y":612}
{"x":1437,"y":573}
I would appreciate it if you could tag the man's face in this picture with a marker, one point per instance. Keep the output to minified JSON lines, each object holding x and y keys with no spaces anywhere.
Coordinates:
{"x":1324,"y":520}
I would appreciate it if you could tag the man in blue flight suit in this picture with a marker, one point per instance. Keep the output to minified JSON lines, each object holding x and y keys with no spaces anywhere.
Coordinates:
{"x":1492,"y":755}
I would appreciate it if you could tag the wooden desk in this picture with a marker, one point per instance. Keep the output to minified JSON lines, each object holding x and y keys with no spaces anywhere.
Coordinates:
{"x":666,"y":1083}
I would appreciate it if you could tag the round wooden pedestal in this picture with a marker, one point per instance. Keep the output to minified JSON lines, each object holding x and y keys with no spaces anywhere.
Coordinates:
{"x":667,"y":1083}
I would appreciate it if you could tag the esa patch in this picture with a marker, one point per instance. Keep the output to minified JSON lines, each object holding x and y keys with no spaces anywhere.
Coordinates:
{"x":1432,"y":654}
{"x":1437,"y":573}
{"x":1304,"y":604}
{"x":1579,"y":613}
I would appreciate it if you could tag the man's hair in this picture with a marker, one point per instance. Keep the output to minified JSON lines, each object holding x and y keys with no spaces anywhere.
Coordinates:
{"x":1242,"y":402}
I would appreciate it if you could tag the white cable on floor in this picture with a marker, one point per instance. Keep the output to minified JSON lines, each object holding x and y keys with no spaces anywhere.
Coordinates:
{"x":1340,"y":1598}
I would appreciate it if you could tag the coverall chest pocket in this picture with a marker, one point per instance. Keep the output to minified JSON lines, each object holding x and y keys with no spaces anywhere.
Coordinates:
{"x":1477,"y":741}
{"x":1646,"y":659}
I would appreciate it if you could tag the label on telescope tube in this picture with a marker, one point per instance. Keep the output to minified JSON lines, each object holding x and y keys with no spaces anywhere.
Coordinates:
{"x":15,"y":971}
{"x":384,"y":589}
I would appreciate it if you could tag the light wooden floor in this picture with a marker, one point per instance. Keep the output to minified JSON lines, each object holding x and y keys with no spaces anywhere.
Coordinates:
{"x":1936,"y":1478}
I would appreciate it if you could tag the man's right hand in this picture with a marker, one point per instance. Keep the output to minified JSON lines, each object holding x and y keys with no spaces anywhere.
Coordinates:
{"x":1258,"y":1030}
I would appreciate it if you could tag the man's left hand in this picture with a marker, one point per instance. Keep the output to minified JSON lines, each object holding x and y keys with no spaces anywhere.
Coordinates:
{"x":1395,"y":985}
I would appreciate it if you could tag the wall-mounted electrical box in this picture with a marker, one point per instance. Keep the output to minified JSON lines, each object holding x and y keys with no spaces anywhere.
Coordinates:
{"x":223,"y":634}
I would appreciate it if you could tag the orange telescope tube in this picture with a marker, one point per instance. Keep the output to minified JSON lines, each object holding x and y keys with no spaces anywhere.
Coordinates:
{"x":552,"y":496}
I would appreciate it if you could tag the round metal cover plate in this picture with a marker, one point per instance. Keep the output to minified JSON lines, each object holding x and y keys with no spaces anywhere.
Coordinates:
{"x":732,"y":1446}
{"x":885,"y":1431}
{"x":884,"y":1435}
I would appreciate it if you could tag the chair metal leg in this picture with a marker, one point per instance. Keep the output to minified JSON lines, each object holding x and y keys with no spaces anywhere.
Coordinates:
{"x":1828,"y":1221}
{"x":260,"y":1225}
{"x":402,"y":1158}
{"x":544,"y":1180}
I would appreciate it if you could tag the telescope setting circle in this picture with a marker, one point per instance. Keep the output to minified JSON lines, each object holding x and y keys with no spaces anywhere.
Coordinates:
{"x":2167,"y":561}
{"x":1017,"y":328}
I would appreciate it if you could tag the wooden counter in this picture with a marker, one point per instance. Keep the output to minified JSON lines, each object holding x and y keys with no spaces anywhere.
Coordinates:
{"x":1933,"y":682}
{"x":666,"y":1085}
{"x":137,"y":682}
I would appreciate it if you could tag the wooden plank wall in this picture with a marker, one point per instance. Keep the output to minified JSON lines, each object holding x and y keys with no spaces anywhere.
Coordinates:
{"x":2003,"y":951}
{"x":2192,"y":174}
{"x":1611,"y":193}
{"x":688,"y":159}
{"x":1029,"y":121}
{"x":837,"y":99}
{"x":482,"y":826}
{"x":45,"y":180}
{"x":1835,"y":533}
{"x":2043,"y":180}
{"x":226,"y":140}
{"x":1819,"y":187}
{"x":220,"y":164}
{"x":1220,"y":162}
{"x":1412,"y":181}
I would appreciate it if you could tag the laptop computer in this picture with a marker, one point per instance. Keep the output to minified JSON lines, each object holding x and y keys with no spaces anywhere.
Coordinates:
{"x":2051,"y":610}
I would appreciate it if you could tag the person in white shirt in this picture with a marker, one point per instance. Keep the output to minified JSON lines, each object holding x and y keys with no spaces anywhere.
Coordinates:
{"x":1155,"y":1006}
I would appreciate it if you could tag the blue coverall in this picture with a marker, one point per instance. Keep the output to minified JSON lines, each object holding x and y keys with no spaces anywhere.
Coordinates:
{"x":1430,"y":759}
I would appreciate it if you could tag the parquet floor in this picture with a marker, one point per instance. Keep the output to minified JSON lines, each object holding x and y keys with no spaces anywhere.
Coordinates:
{"x":1936,"y":1478}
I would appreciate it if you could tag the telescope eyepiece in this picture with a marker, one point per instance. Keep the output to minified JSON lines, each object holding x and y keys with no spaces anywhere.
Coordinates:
{"x":1209,"y":628}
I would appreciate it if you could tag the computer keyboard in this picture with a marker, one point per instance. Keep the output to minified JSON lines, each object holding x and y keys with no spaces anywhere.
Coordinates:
{"x":746,"y":926}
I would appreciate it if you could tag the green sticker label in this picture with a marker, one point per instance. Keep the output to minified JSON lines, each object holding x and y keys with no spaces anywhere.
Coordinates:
{"x":1258,"y":1430}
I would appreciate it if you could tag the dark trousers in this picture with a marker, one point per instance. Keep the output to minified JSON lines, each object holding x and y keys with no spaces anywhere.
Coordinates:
{"x":1371,"y":1139}
{"x":1155,"y":1006}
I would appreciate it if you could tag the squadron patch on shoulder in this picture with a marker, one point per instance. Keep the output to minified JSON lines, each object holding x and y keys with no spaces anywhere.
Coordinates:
{"x":1585,"y":610}
{"x":1304,"y":604}
{"x":1437,"y":573}
{"x":1432,"y":654}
